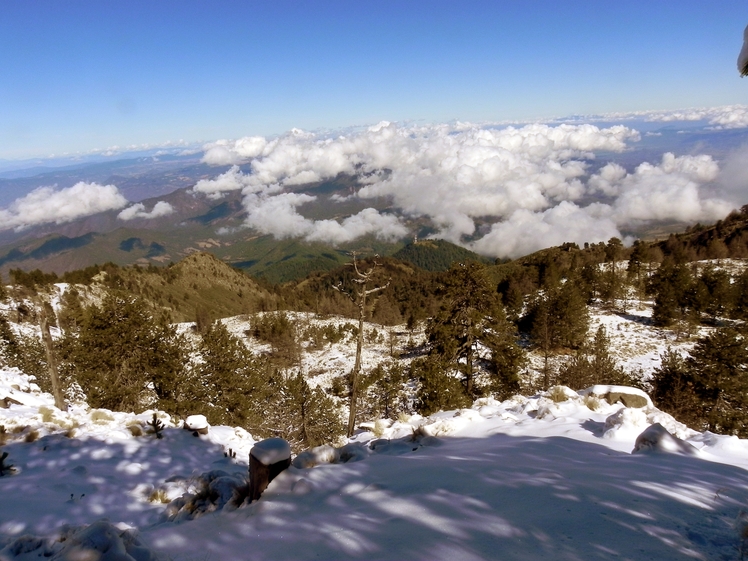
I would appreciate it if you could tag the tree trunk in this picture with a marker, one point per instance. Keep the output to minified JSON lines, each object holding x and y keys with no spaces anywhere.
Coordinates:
{"x":357,"y":365}
{"x":51,"y":358}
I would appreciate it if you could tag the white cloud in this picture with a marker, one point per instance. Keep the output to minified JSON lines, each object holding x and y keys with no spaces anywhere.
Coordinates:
{"x":50,"y":205}
{"x":528,"y":179}
{"x":733,"y":179}
{"x":670,"y":190}
{"x":278,"y":215}
{"x":724,"y":117}
{"x":386,"y":227}
{"x":161,"y":208}
{"x":232,"y":180}
{"x":225,"y":152}
{"x":524,"y":231}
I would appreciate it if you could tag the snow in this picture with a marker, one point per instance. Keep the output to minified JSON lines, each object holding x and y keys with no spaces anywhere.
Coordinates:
{"x":656,"y":438}
{"x":602,"y":390}
{"x":271,"y":451}
{"x":548,"y":476}
{"x":196,"y":422}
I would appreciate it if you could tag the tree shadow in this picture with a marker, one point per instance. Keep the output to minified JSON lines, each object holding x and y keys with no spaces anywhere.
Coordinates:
{"x":642,"y":320}
{"x":78,"y":481}
{"x":499,"y":497}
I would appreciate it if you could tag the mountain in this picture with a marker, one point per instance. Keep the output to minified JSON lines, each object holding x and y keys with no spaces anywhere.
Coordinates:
{"x":199,"y":223}
{"x":436,"y":255}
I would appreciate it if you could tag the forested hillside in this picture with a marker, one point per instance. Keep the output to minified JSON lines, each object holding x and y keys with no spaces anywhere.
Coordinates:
{"x":445,"y":338}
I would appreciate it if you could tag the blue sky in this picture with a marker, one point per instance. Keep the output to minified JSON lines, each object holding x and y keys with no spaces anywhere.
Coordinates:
{"x":84,"y":75}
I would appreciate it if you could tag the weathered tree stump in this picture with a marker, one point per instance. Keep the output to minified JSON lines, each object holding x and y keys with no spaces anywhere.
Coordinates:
{"x":198,"y":424}
{"x":267,"y":459}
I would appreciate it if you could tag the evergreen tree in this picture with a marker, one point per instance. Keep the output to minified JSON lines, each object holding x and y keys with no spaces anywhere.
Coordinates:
{"x":593,"y":364}
{"x":471,"y":316}
{"x":71,"y":310}
{"x":438,"y":389}
{"x":24,"y":352}
{"x":386,"y":312}
{"x":739,"y":296}
{"x":673,"y":296}
{"x":716,"y":293}
{"x":558,"y":318}
{"x":673,"y":389}
{"x":227,"y":381}
{"x":719,"y":368}
{"x":121,"y":350}
{"x":383,"y":391}
{"x":304,"y":416}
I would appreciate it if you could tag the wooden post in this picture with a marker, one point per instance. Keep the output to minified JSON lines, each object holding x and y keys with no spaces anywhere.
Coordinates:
{"x":267,"y":459}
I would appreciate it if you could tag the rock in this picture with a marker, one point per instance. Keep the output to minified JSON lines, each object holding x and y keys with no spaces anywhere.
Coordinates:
{"x":198,"y":424}
{"x":320,"y":455}
{"x":657,"y":439}
{"x":628,"y":396}
{"x":628,"y":399}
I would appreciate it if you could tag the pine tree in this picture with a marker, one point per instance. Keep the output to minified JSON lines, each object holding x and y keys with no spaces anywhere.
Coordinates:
{"x":558,"y":318}
{"x":716,"y":293}
{"x":304,"y":416}
{"x":228,"y":381}
{"x":438,"y":389}
{"x":471,"y":316}
{"x":672,"y":289}
{"x":383,"y":391}
{"x":673,"y":389}
{"x":593,"y":364}
{"x":120,"y":350}
{"x":719,"y":367}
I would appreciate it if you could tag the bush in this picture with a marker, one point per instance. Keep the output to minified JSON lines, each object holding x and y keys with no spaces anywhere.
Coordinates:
{"x":438,"y":390}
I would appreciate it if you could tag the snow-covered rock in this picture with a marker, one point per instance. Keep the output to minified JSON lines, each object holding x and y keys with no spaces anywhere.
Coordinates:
{"x":630,"y":397}
{"x":656,"y":438}
{"x":197,"y":423}
{"x":271,"y":451}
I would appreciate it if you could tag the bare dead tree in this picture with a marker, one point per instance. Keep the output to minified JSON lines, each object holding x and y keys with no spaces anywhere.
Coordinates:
{"x":52,"y":364}
{"x":358,"y":297}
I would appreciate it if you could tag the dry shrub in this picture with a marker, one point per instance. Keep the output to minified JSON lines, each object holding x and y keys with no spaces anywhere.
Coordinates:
{"x":158,"y":496}
{"x":592,"y":402}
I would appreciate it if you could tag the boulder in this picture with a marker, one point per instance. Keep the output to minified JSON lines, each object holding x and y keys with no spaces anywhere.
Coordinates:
{"x":628,"y":396}
{"x":657,"y":439}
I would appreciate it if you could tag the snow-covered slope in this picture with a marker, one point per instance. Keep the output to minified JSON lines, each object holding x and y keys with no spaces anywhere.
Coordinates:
{"x":528,"y":478}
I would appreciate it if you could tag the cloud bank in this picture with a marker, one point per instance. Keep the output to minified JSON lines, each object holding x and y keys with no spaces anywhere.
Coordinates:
{"x":49,"y":205}
{"x":531,"y":181}
{"x":161,"y":208}
{"x":724,"y":117}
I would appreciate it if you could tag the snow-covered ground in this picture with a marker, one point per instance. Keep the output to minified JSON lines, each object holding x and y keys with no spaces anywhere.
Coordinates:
{"x":544,"y":477}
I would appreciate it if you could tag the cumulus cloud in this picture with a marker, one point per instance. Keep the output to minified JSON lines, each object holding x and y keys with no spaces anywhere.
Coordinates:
{"x":670,"y":190}
{"x":49,"y":205}
{"x":524,"y":231}
{"x":224,"y":152}
{"x":724,"y":117}
{"x":161,"y":208}
{"x":529,"y":180}
{"x":232,"y":180}
{"x":278,"y":215}
{"x":733,"y":179}
{"x":386,"y":227}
